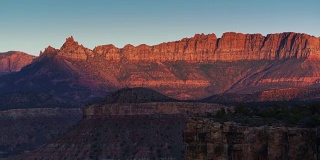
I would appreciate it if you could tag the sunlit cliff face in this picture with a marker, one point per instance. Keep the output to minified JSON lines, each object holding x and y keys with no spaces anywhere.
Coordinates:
{"x":13,"y":61}
{"x":191,"y":68}
{"x":201,"y":48}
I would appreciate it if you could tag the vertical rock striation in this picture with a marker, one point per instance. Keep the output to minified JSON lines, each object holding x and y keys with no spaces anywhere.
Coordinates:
{"x":202,"y":48}
{"x":14,"y":61}
{"x":206,"y":139}
{"x":71,"y":49}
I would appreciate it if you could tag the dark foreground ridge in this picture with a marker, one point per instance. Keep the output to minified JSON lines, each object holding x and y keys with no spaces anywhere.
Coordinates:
{"x":131,"y":123}
{"x":122,"y":128}
{"x":136,"y":95}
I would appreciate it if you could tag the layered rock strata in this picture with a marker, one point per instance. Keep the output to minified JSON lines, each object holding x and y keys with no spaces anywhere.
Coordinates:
{"x":13,"y":61}
{"x":206,"y":139}
{"x":202,"y":48}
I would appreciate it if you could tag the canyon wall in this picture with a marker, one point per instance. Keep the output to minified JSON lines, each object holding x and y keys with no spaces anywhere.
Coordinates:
{"x":206,"y":139}
{"x":154,"y":108}
{"x":202,"y":48}
{"x":191,"y":68}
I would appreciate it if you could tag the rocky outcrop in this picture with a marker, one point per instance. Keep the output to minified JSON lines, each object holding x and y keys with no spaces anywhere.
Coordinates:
{"x":206,"y":139}
{"x":48,"y":52}
{"x":191,"y":68}
{"x":236,"y":46}
{"x":111,"y":52}
{"x":281,"y":94}
{"x":72,"y":50}
{"x":230,"y":47}
{"x":13,"y":61}
{"x":203,"y":48}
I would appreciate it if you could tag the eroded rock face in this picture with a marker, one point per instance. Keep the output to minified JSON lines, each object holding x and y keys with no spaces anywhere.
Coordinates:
{"x":72,"y":50}
{"x":202,"y":48}
{"x":258,"y":63}
{"x":13,"y":61}
{"x":191,"y":68}
{"x":206,"y":139}
{"x":230,"y":47}
{"x":111,"y":52}
{"x":49,"y":51}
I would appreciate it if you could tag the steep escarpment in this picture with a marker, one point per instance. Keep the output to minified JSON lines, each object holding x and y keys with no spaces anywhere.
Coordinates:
{"x":202,"y":65}
{"x":269,"y":95}
{"x":203,"y":48}
{"x":237,"y":46}
{"x":206,"y":139}
{"x":230,"y":47}
{"x":191,"y":68}
{"x":13,"y":61}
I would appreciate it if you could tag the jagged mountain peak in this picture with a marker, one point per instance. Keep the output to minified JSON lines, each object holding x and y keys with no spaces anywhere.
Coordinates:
{"x":194,"y":67}
{"x":70,"y":39}
{"x":232,"y":46}
{"x":71,"y":49}
{"x":48,"y":51}
{"x":69,"y":43}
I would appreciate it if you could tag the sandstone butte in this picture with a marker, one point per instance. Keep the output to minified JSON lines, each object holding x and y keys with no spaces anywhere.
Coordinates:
{"x":13,"y":61}
{"x":203,"y":48}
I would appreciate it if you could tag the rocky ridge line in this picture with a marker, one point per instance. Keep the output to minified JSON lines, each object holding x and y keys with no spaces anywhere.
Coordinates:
{"x":14,"y":61}
{"x":201,"y":48}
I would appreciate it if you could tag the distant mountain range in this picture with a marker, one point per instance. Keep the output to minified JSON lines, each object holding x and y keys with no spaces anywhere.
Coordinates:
{"x":145,"y":88}
{"x":192,"y":68}
{"x":13,"y":61}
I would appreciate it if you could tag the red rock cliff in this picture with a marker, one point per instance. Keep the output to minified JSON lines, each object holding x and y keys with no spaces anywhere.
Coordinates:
{"x":230,"y":47}
{"x":13,"y":61}
{"x":71,"y":49}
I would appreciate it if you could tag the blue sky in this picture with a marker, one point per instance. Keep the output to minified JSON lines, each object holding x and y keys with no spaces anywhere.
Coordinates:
{"x":32,"y":25}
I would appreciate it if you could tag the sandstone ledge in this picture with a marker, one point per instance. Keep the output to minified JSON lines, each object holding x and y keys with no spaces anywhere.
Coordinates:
{"x":118,"y":109}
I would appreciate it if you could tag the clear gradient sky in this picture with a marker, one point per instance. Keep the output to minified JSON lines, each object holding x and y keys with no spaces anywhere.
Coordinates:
{"x":32,"y":25}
